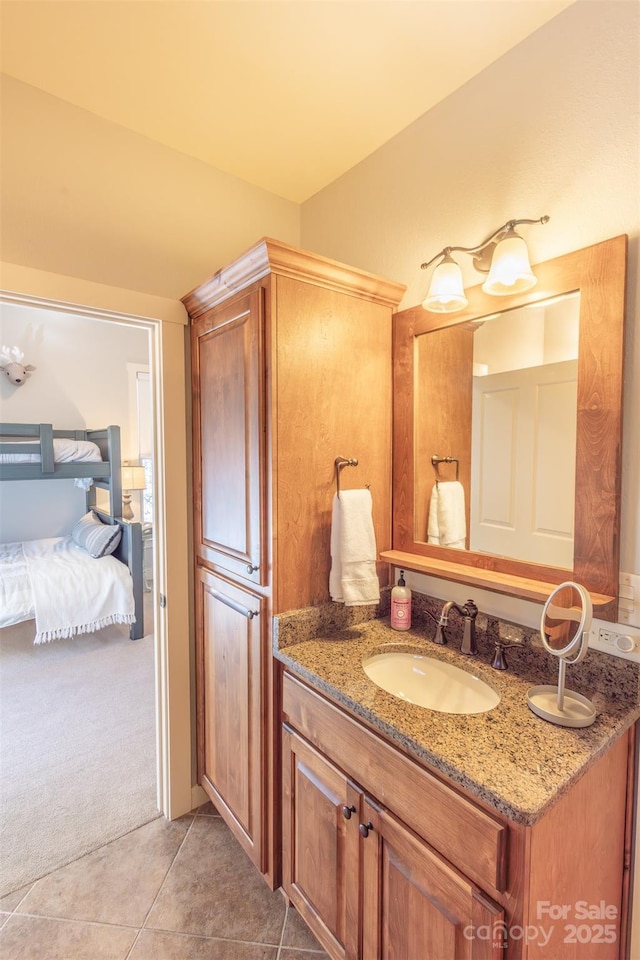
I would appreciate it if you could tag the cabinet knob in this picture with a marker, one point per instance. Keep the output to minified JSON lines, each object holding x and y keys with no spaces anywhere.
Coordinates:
{"x":364,"y":829}
{"x":347,"y":811}
{"x":251,"y":568}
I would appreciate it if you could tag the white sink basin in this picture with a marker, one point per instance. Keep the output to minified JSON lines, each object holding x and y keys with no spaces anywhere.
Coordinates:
{"x":430,"y":683}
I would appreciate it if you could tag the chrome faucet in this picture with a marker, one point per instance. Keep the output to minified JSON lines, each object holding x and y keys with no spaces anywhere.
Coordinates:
{"x":469,"y":612}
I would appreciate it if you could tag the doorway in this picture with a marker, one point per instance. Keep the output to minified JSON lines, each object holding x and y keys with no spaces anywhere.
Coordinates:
{"x":78,"y":715}
{"x":165,"y":322}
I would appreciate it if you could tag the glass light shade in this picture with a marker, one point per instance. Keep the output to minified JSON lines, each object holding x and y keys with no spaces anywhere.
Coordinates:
{"x":446,"y":292}
{"x":510,"y":268}
{"x":133,"y":478}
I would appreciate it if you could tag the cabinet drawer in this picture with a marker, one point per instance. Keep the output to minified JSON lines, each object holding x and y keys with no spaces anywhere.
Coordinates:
{"x":467,"y":836}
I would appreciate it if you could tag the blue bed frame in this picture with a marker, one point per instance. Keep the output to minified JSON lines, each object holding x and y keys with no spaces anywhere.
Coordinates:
{"x":129,"y":551}
{"x":38,"y":438}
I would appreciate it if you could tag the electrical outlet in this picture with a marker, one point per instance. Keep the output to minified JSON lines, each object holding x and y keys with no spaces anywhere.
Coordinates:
{"x":620,"y":644}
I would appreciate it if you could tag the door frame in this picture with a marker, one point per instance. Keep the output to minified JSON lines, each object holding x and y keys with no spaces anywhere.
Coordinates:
{"x":165,"y":321}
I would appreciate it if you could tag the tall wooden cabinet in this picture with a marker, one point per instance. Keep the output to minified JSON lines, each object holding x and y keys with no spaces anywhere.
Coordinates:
{"x":291,"y":367}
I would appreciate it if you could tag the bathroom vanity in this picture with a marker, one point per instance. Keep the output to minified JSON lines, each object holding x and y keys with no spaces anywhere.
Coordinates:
{"x":406,"y":833}
{"x":410,"y":833}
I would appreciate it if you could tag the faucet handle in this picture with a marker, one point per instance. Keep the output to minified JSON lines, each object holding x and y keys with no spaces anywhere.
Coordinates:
{"x":499,"y":661}
{"x":440,"y":637}
{"x":471,"y":610}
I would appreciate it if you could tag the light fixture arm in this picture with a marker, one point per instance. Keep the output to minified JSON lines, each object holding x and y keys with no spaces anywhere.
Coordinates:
{"x":483,"y":252}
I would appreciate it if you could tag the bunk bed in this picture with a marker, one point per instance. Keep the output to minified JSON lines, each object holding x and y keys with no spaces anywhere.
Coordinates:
{"x":92,"y":458}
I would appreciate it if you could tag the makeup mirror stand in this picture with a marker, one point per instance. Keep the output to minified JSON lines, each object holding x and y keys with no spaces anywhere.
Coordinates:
{"x":566,"y":708}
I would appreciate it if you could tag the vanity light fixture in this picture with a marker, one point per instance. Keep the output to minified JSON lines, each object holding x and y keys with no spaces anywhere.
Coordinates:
{"x":503,"y":256}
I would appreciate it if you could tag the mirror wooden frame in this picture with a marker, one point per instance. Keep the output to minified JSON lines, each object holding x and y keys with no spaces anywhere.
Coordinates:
{"x":599,"y":274}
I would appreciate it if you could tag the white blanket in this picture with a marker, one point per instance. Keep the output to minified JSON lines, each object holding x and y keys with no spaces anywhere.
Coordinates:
{"x":72,"y":593}
{"x":64,"y":451}
{"x":16,"y":595}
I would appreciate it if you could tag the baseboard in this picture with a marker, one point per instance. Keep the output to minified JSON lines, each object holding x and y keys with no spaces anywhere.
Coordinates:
{"x":198,"y":796}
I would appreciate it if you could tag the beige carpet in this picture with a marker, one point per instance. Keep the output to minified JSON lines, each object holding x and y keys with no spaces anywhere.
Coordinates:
{"x":77,"y":746}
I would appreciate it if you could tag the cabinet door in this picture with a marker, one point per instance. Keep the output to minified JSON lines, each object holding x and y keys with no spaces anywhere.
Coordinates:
{"x":230,"y":692}
{"x":228,"y":435}
{"x":321,"y":846}
{"x":416,"y":904}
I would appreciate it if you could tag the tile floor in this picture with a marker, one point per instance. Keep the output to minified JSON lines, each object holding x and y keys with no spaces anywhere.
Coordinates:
{"x":183,"y":890}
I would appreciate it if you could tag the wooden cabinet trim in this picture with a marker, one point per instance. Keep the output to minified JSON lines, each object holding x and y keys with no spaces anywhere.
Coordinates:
{"x":465,"y":834}
{"x":272,"y":256}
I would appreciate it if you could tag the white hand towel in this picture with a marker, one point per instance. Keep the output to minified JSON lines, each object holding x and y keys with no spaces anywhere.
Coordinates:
{"x":447,"y":522}
{"x":335,"y":573}
{"x":353,"y":579}
{"x":433,"y":529}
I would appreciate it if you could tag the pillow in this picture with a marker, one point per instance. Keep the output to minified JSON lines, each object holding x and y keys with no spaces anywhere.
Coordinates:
{"x":98,"y":539}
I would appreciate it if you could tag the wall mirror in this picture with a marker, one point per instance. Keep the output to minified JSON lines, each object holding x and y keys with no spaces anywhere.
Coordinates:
{"x":525,"y":393}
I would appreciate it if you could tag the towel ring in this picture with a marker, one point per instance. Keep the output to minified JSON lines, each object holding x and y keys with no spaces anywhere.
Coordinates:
{"x":341,"y":462}
{"x":435,"y":460}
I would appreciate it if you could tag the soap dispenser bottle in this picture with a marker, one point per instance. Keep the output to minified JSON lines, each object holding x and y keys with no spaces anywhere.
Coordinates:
{"x":401,"y":605}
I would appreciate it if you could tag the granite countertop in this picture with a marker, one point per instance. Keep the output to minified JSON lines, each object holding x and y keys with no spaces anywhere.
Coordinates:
{"x":508,"y":757}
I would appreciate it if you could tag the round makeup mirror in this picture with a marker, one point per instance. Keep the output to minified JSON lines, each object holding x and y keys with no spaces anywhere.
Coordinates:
{"x":564,"y":628}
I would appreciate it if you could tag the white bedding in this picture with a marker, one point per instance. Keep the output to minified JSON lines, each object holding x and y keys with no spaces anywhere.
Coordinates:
{"x":67,"y":591}
{"x":16,"y":595}
{"x":64,"y":451}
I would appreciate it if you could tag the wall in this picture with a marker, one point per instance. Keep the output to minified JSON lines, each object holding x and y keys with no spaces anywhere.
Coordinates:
{"x":81,"y":380}
{"x":549,"y":128}
{"x":552,"y":127}
{"x":87,"y":198}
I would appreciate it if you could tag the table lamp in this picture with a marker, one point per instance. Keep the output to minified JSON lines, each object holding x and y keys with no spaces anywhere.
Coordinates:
{"x":133,"y":478}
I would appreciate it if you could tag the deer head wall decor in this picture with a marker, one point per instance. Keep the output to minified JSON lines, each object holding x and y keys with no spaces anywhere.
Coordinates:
{"x":11,"y":363}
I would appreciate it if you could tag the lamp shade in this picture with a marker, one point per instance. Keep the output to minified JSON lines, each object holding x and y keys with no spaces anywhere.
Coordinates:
{"x":510,"y":268}
{"x":446,"y":292}
{"x":133,"y":478}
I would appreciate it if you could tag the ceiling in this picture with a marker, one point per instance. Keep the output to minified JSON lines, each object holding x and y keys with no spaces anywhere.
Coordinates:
{"x":285,"y":95}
